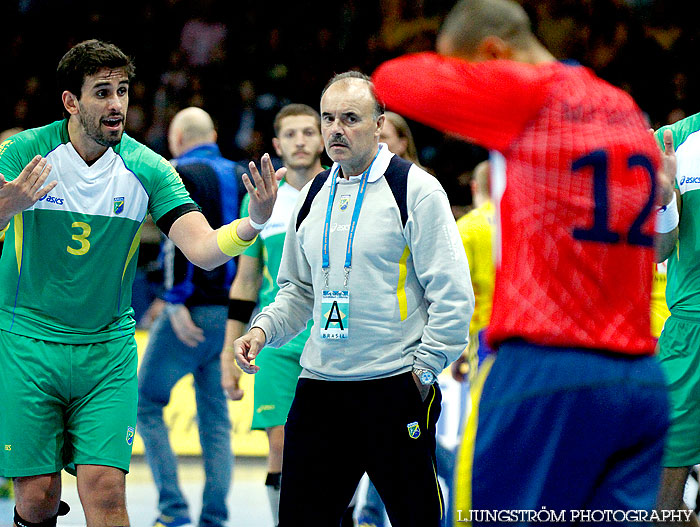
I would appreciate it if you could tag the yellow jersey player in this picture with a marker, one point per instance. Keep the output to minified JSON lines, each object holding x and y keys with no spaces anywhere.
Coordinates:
{"x":659,"y":309}
{"x":476,"y":230}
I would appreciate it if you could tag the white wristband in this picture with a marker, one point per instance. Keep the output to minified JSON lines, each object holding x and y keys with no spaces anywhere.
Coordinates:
{"x":667,"y":217}
{"x":256,"y":226}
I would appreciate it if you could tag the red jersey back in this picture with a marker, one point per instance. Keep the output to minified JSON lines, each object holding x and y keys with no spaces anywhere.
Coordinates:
{"x":576,"y":167}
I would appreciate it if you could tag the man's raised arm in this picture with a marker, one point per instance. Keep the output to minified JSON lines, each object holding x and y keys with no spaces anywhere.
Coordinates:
{"x":487,"y":103}
{"x":209,"y":248}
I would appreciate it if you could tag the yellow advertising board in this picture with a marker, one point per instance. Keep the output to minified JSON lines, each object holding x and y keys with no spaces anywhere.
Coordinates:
{"x":180,"y":417}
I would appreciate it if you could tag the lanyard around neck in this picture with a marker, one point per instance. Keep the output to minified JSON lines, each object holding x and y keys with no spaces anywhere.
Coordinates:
{"x":353,"y":223}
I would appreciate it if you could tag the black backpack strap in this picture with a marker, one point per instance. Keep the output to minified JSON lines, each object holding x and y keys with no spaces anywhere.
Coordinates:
{"x":396,"y":176}
{"x":316,"y":185}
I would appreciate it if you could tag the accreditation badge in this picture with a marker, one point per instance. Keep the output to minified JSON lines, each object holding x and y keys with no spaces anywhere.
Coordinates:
{"x":334,"y":314}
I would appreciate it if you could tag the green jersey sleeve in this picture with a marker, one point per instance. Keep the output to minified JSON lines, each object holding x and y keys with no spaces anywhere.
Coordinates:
{"x":10,"y":159}
{"x":20,"y":149}
{"x":681,"y":130}
{"x":160,"y":179}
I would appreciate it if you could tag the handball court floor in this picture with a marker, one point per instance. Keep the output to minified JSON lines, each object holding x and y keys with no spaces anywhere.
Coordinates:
{"x":247,"y":500}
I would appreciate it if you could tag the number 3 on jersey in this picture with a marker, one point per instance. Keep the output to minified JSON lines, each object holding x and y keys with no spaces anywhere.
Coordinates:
{"x":600,"y":231}
{"x":81,"y":238}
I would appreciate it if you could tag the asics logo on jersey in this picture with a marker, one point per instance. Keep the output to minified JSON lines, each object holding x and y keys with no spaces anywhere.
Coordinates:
{"x":689,"y":180}
{"x":339,"y":228}
{"x":52,"y":199}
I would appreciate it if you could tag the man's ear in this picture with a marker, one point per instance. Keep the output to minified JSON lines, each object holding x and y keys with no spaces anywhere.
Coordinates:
{"x":492,"y":48}
{"x":380,"y":125}
{"x":276,"y":146}
{"x":70,"y":102}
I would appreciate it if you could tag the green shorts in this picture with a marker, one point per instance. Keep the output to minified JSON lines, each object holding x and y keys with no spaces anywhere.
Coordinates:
{"x":66,"y":403}
{"x":275,"y":385}
{"x":679,"y":355}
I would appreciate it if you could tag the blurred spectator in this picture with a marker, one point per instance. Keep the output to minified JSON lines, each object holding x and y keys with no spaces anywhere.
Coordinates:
{"x":203,"y":38}
{"x":398,"y":137}
{"x":242,"y":64}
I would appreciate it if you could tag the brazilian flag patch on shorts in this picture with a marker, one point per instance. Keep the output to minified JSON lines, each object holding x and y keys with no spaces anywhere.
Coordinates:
{"x":413,"y":430}
{"x":129,"y":435}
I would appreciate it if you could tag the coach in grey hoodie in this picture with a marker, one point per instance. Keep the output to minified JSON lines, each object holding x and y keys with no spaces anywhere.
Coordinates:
{"x":373,"y":256}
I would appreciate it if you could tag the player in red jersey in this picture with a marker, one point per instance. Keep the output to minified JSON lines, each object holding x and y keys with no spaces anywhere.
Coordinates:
{"x":573,"y":412}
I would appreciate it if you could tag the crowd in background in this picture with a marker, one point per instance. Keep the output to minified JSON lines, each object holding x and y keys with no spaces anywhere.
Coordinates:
{"x":241,"y":61}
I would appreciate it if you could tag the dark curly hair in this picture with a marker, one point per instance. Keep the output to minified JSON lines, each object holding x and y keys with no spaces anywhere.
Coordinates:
{"x":87,"y":58}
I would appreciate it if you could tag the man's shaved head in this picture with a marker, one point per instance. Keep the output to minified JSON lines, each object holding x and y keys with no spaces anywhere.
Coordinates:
{"x":190,"y":127}
{"x":471,"y":21}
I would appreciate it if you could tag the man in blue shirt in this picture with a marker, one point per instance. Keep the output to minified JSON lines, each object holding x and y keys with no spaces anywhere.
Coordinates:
{"x":188,"y":335}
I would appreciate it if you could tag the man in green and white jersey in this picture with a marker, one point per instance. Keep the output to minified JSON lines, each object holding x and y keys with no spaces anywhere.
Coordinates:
{"x":299,"y":143}
{"x":679,"y":343}
{"x":67,"y":350}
